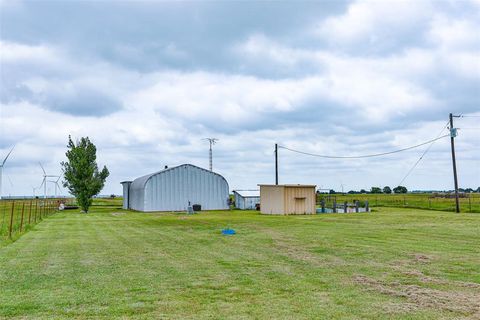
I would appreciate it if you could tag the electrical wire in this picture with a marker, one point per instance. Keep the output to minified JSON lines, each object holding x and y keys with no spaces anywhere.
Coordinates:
{"x":423,"y":154}
{"x":363,"y":156}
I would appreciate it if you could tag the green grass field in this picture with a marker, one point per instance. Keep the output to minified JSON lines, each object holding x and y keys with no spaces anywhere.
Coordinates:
{"x":392,"y":263}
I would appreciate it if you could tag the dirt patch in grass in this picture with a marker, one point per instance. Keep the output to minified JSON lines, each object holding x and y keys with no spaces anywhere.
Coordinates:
{"x":117,"y":214}
{"x":464,"y":302}
{"x":407,"y":267}
{"x":422,"y":258}
{"x":288,"y":246}
{"x":427,"y":279}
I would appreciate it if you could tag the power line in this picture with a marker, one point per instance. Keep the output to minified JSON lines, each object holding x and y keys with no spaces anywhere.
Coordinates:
{"x":364,"y":156}
{"x":423,"y":154}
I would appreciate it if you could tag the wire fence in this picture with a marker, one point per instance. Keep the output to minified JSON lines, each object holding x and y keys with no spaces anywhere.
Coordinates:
{"x":18,"y":216}
{"x":469,"y":202}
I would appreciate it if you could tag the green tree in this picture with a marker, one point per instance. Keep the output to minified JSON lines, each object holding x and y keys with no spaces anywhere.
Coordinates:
{"x":375,"y":190}
{"x":82,"y":177}
{"x":387,"y":190}
{"x":400,"y":189}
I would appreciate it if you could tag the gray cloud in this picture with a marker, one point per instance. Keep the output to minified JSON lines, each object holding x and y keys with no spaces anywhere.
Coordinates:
{"x":82,"y":102}
{"x":147,"y":81}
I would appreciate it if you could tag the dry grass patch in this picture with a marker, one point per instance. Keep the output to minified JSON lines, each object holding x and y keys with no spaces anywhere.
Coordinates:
{"x":464,"y":302}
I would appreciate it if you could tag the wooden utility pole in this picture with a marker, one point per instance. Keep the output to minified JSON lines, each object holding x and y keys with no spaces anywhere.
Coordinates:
{"x":276,"y":164}
{"x":453,"y":134}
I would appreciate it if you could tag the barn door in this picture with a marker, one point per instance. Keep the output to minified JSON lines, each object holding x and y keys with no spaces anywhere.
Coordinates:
{"x":300,"y":207}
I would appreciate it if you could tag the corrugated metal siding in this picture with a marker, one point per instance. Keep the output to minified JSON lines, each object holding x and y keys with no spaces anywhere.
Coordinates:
{"x":126,"y":194}
{"x":239,"y":201}
{"x":300,"y":200}
{"x":250,"y":203}
{"x":136,"y":193}
{"x":245,"y":203}
{"x":272,"y":199}
{"x":172,"y":189}
{"x":283,"y":199}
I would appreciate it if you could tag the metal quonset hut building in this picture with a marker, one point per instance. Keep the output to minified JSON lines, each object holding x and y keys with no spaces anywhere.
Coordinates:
{"x":173,"y":189}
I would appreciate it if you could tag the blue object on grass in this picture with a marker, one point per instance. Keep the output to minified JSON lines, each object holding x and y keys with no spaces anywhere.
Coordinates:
{"x":228,"y":232}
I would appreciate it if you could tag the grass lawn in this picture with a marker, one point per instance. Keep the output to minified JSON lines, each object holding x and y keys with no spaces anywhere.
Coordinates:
{"x":392,"y":263}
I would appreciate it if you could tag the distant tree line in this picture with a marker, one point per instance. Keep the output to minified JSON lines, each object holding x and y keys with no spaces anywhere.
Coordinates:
{"x":397,"y":190}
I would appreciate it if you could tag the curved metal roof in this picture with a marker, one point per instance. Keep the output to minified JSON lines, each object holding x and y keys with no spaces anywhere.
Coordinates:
{"x":139,"y":183}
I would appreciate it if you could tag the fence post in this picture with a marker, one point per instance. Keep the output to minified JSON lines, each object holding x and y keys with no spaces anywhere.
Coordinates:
{"x":367,"y":208}
{"x":356,"y":205}
{"x":11,"y":221}
{"x":335,"y":206}
{"x":36,"y":208}
{"x":21,"y":220}
{"x":30,"y":212}
{"x":345,"y":206}
{"x":404,"y":201}
{"x":470,"y":202}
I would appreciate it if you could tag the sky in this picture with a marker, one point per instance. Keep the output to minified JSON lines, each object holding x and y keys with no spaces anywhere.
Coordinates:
{"x":146,"y":81}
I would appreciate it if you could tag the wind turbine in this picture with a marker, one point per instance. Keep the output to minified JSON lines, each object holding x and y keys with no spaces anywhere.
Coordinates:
{"x":34,"y":189}
{"x":44,"y":181}
{"x":1,"y":170}
{"x":212,"y":142}
{"x":55,"y":182}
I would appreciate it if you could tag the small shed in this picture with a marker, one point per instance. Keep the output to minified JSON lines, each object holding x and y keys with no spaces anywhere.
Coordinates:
{"x":246,"y":199}
{"x":287,"y":199}
{"x":175,"y":189}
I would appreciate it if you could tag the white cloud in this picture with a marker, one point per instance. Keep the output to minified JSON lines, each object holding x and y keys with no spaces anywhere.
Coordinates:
{"x":453,"y":33}
{"x":15,"y":52}
{"x":373,"y":22}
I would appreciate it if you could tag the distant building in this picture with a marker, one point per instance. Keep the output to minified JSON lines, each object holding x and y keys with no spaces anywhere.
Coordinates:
{"x":246,"y":199}
{"x":287,"y":199}
{"x":174,"y":189}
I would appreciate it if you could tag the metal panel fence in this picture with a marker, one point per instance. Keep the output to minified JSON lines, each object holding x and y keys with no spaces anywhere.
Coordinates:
{"x":17,"y":216}
{"x":469,"y":202}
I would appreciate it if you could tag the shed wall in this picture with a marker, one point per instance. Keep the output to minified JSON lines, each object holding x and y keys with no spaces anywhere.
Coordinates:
{"x":126,"y":194}
{"x":251,"y":202}
{"x":272,"y":199}
{"x":136,"y":196}
{"x":300,"y":200}
{"x":245,"y":203}
{"x":287,"y":199}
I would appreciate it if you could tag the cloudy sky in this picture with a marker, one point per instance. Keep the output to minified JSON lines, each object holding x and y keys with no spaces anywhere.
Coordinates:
{"x":146,"y":81}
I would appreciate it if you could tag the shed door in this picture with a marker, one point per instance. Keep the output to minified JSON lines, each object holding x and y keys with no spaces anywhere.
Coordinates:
{"x":300,"y":206}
